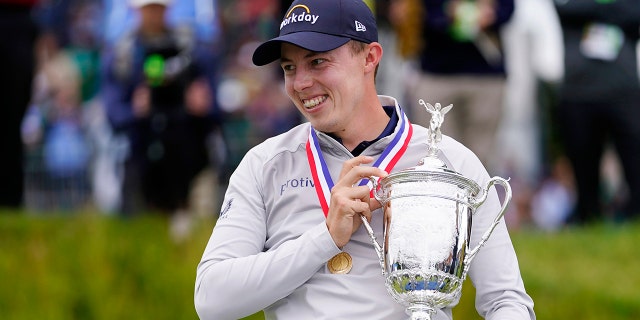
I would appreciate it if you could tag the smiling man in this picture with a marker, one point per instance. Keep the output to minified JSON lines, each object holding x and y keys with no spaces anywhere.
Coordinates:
{"x":301,"y":252}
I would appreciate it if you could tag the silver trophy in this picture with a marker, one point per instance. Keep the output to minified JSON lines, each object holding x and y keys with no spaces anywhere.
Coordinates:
{"x":428,"y":211}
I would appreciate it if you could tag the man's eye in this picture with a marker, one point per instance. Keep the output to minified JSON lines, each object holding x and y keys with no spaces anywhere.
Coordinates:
{"x":287,"y":67}
{"x":318,"y":61}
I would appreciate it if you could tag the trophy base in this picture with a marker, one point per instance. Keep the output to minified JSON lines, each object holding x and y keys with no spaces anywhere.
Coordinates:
{"x":420,"y":312}
{"x":414,"y":287}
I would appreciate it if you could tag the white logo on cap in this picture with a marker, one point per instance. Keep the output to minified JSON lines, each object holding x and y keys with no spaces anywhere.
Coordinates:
{"x":305,"y":16}
{"x":360,"y":26}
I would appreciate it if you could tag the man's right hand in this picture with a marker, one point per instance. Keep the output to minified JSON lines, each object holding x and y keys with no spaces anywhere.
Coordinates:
{"x":348,"y":200}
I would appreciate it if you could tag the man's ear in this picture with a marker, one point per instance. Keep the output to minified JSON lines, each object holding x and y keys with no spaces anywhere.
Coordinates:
{"x":373,"y":57}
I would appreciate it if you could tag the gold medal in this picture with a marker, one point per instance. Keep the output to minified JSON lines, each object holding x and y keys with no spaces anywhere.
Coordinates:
{"x":341,"y":263}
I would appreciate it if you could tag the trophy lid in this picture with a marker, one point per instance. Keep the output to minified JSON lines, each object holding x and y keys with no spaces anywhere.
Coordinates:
{"x":431,"y":167}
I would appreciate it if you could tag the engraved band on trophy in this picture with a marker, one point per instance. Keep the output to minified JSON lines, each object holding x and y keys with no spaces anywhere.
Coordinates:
{"x":428,"y":210}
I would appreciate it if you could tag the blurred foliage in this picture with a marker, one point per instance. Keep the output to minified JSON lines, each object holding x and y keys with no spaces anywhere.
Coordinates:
{"x":91,"y":266}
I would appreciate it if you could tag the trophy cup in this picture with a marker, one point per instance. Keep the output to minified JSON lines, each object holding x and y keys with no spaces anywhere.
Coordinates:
{"x":428,"y":210}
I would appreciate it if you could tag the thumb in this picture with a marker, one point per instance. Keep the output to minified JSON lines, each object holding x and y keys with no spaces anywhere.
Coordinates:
{"x":374,"y":204}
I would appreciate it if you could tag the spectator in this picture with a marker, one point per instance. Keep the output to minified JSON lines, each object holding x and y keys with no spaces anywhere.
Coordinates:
{"x":461,"y":62}
{"x":158,"y":91}
{"x":58,"y":154}
{"x":533,"y":46}
{"x":600,"y":100}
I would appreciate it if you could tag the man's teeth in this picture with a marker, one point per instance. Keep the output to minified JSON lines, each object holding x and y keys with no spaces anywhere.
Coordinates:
{"x":314,"y":102}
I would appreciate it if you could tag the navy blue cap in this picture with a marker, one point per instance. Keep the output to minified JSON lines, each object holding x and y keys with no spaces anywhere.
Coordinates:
{"x":319,"y":26}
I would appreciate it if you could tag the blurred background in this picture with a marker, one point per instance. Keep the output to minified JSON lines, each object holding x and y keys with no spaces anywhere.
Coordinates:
{"x":123,"y":120}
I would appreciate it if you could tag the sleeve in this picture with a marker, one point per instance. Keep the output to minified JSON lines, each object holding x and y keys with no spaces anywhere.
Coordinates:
{"x":207,"y":63}
{"x":495,"y":272}
{"x":116,"y":93}
{"x":237,"y":276}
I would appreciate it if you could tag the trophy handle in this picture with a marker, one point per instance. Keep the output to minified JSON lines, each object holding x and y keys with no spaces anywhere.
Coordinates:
{"x":375,"y":243}
{"x":367,"y":226}
{"x":507,"y":188}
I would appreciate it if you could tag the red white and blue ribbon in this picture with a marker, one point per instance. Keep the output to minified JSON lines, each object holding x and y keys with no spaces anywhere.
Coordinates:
{"x":387,"y":160}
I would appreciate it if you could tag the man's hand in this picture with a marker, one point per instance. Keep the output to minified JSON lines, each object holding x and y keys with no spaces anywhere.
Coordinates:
{"x":348,"y":200}
{"x":141,"y":101}
{"x":198,"y":98}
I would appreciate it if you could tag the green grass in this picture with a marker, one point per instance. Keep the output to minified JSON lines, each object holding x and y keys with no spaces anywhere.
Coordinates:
{"x":94,"y":267}
{"x":89,"y":266}
{"x":578,"y":273}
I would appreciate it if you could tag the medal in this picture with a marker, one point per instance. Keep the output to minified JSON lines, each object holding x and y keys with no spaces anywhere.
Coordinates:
{"x":341,"y":263}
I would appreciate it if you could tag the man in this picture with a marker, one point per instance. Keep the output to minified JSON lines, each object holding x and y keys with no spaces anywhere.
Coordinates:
{"x":461,"y":62}
{"x":599,"y":104}
{"x":157,"y":93}
{"x":276,"y":232}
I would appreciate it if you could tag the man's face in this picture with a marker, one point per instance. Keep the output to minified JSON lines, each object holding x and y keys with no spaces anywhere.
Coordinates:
{"x":327,"y":87}
{"x":152,"y":17}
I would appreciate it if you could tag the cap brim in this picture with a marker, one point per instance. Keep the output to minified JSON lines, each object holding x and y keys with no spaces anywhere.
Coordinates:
{"x":312,"y":41}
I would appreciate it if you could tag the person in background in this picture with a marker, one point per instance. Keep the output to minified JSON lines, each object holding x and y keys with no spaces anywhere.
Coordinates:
{"x":294,"y":202}
{"x":58,"y":153}
{"x":157,"y":91}
{"x":599,"y":101}
{"x":532,"y":42}
{"x":461,"y":62}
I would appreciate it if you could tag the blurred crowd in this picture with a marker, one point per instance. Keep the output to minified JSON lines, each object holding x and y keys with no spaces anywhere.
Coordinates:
{"x":148,"y":105}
